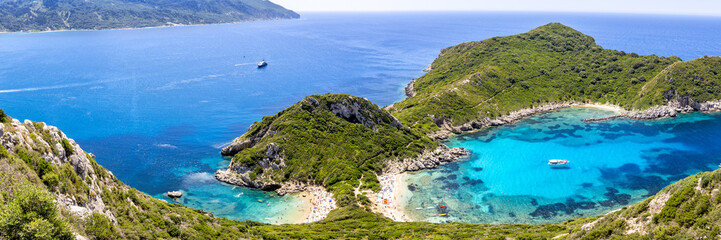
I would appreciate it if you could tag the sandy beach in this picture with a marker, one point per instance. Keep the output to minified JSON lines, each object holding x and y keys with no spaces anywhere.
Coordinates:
{"x":607,"y":107}
{"x":321,"y":203}
{"x":389,"y":200}
{"x":299,"y":216}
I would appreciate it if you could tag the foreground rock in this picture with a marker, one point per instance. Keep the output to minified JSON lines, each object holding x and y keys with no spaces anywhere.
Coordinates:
{"x":57,"y":149}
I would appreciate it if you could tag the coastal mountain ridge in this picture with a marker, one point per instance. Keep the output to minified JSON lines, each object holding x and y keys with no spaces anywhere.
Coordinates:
{"x":50,"y":15}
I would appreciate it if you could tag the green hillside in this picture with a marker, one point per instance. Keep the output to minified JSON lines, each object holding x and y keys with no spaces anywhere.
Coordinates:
{"x":337,"y":141}
{"x":549,"y":64}
{"x":45,"y":15}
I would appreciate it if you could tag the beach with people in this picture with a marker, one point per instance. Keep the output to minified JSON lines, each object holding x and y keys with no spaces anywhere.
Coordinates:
{"x":321,"y":203}
{"x":389,"y":200}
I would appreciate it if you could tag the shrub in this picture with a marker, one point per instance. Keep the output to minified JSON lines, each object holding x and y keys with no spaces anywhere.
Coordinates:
{"x":51,"y":180}
{"x":4,"y":152}
{"x":98,"y":226}
{"x":32,"y":214}
{"x":68,"y":148}
{"x":4,"y":117}
{"x":674,"y":202}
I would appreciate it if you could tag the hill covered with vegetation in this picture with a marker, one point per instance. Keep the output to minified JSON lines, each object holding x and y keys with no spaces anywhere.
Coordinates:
{"x":550,"y":64}
{"x":333,"y":140}
{"x":47,"y":15}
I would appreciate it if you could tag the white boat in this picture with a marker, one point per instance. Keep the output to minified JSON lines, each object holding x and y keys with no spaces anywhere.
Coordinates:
{"x":556,"y":162}
{"x":262,"y":64}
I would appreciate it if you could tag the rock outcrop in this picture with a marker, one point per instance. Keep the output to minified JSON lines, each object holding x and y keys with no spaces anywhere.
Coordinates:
{"x":56,"y":148}
{"x":352,"y":110}
{"x":241,"y":175}
{"x":175,"y":194}
{"x":246,"y":141}
{"x":426,"y":160}
{"x":410,"y":91}
{"x":674,"y":107}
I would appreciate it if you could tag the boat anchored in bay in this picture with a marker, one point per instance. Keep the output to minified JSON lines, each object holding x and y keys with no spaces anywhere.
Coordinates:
{"x":557,"y":162}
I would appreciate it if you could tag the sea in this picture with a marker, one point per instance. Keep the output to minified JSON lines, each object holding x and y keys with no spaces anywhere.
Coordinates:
{"x":156,"y":106}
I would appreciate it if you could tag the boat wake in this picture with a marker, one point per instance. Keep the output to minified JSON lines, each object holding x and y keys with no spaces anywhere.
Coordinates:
{"x":54,"y":87}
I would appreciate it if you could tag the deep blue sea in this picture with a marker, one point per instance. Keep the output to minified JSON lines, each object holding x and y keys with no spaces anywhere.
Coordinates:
{"x":156,"y":105}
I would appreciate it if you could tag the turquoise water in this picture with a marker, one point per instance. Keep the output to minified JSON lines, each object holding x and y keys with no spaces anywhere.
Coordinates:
{"x":156,"y":105}
{"x":612,"y":164}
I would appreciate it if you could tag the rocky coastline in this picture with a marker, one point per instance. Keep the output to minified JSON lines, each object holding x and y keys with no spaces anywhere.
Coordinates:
{"x":410,"y":90}
{"x":426,"y":160}
{"x":429,"y":159}
{"x":447,"y":129}
{"x":671,"y":109}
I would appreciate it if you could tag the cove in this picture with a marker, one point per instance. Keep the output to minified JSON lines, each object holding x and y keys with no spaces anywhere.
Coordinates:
{"x":612,"y":164}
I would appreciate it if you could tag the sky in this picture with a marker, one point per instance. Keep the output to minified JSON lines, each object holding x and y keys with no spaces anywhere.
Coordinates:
{"x":682,"y":7}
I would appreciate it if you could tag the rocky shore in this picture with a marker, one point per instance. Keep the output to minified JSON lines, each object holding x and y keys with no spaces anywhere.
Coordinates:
{"x":447,"y":129}
{"x":232,"y":177}
{"x":410,"y":90}
{"x":427,"y":160}
{"x":673,"y":108}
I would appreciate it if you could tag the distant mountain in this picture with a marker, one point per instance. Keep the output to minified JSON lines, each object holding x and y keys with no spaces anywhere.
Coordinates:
{"x":47,"y":15}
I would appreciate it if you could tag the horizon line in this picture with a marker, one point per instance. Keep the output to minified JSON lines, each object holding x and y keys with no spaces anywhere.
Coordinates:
{"x":511,"y":11}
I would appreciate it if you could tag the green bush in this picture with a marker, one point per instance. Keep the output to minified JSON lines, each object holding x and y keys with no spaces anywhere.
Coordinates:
{"x":673,"y":203}
{"x":4,"y":117}
{"x":32,"y":214}
{"x":51,"y":180}
{"x":99,"y":227}
{"x":67,"y":147}
{"x":4,"y":152}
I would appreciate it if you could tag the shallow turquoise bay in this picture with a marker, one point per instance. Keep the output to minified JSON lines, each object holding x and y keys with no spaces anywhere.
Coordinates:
{"x":612,"y":164}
